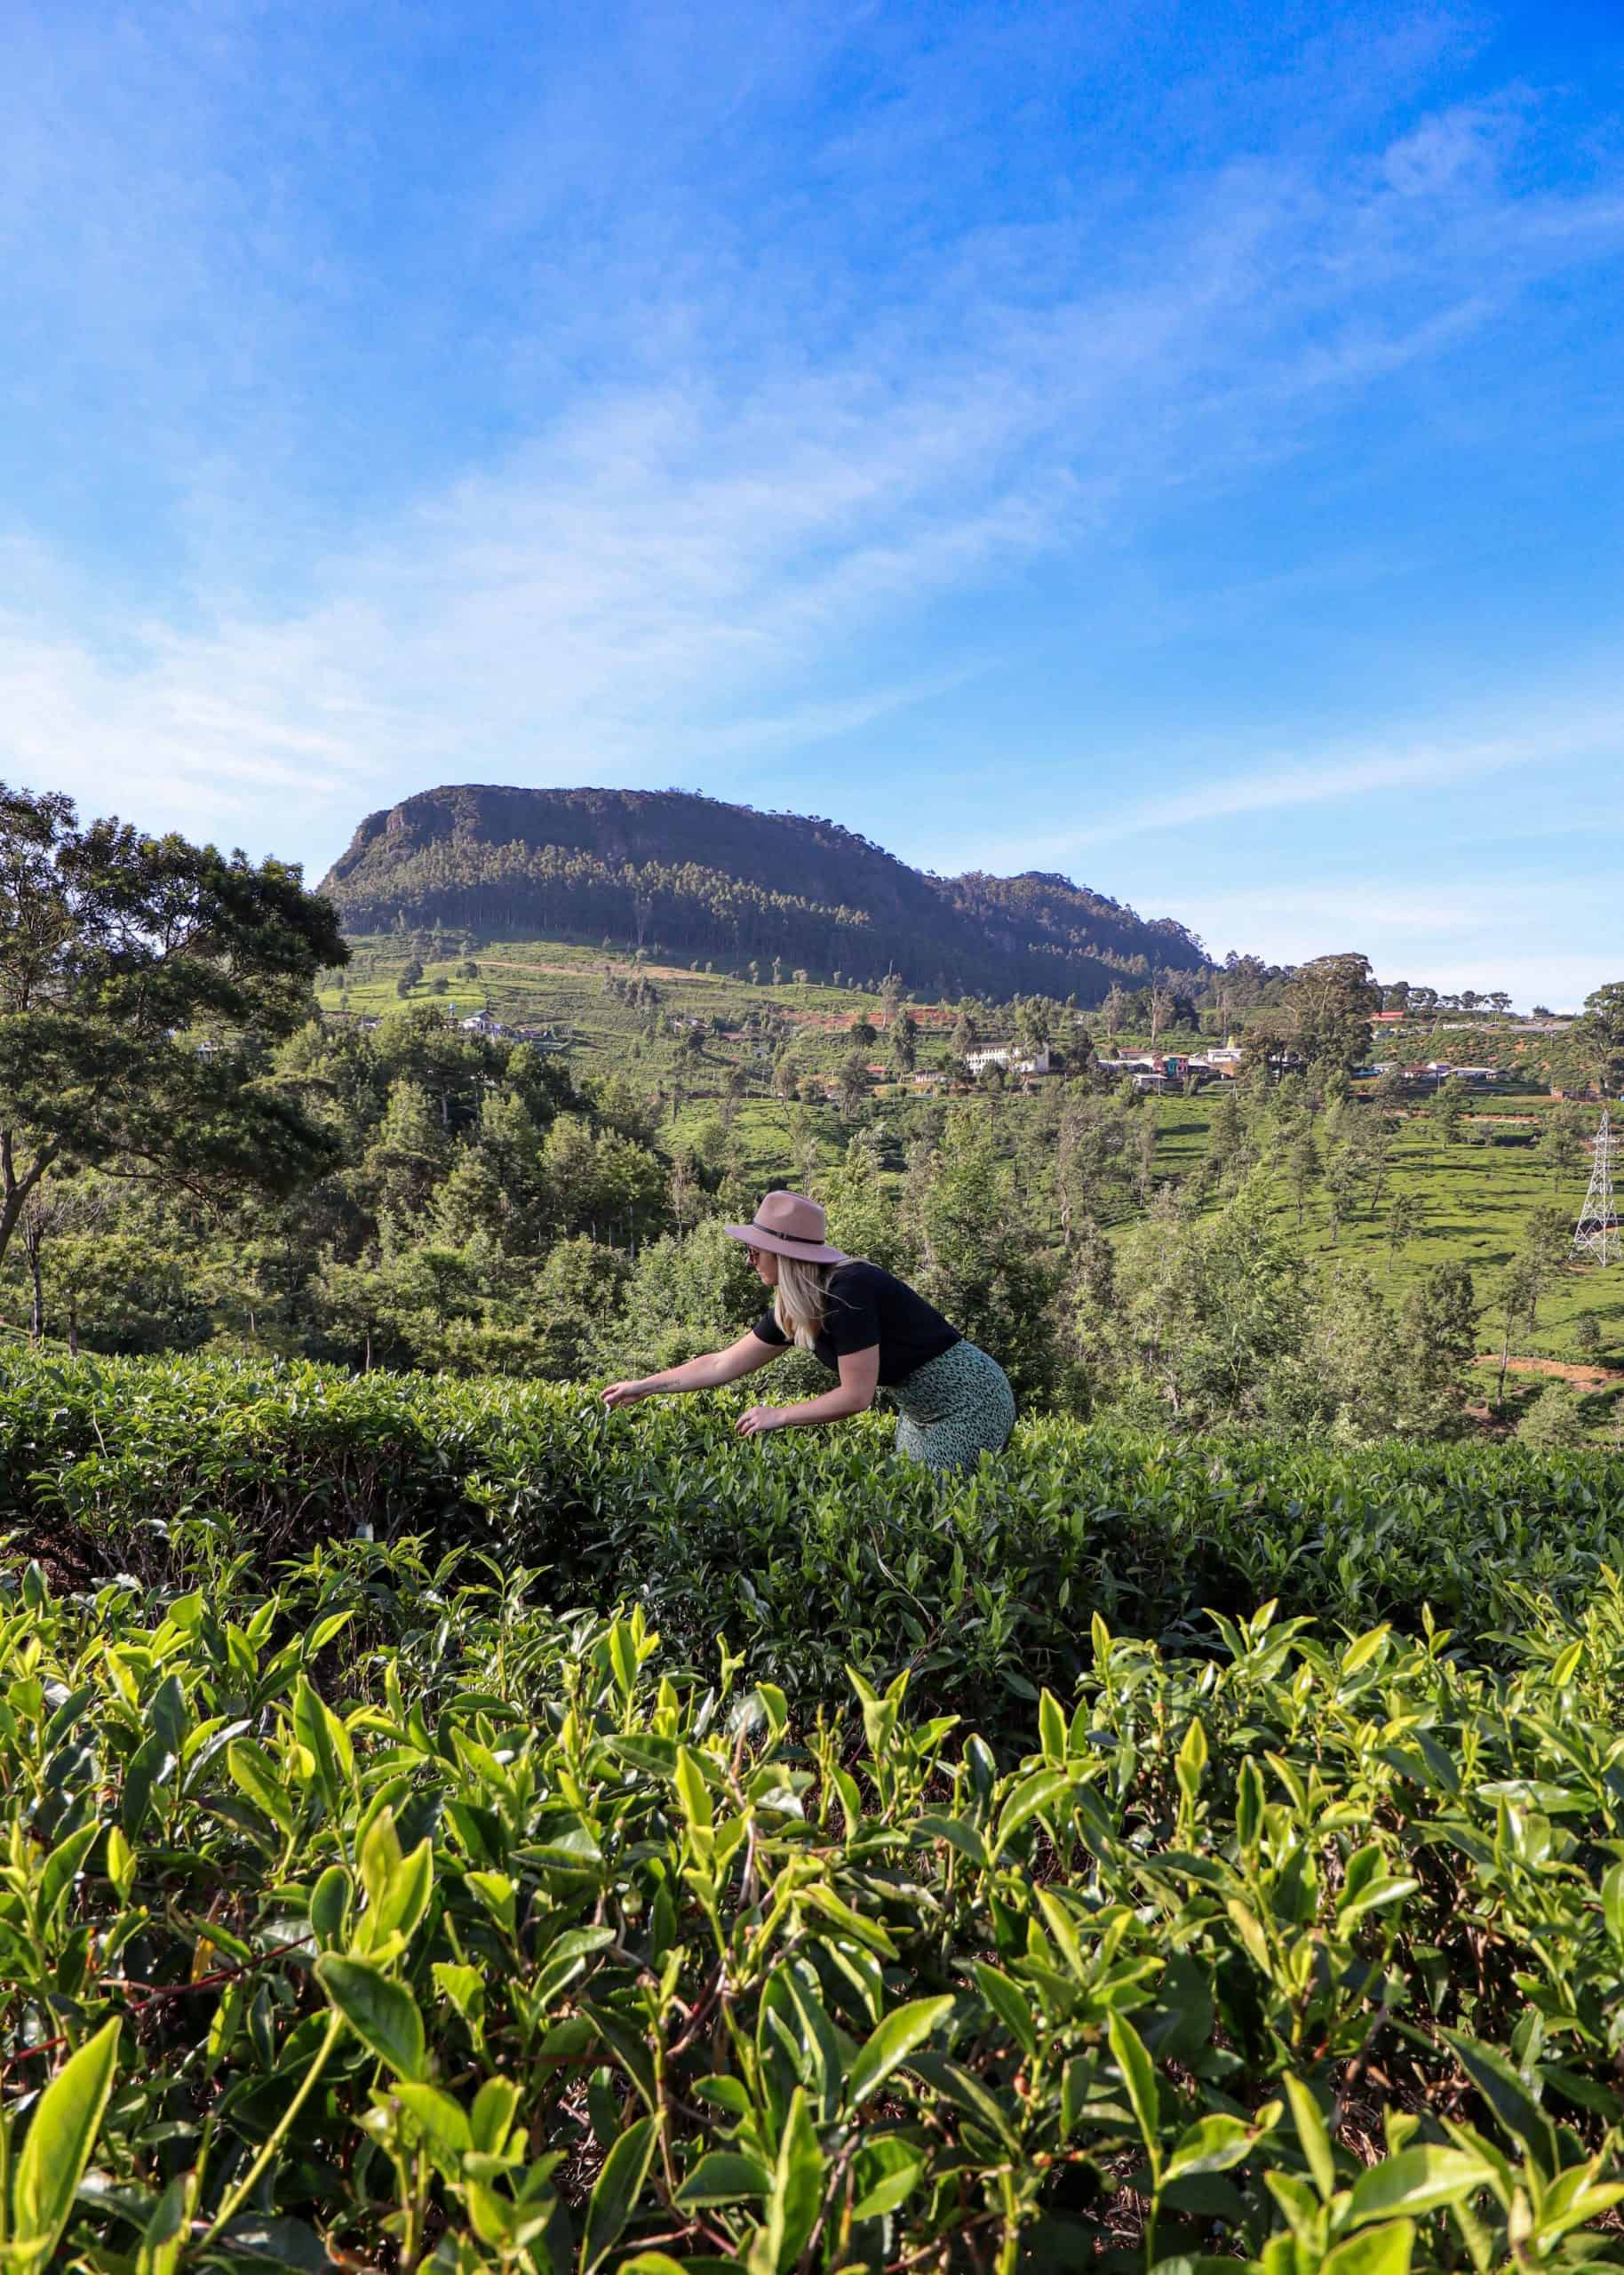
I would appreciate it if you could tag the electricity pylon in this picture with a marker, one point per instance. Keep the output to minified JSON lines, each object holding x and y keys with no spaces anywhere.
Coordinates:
{"x":1596,"y":1235}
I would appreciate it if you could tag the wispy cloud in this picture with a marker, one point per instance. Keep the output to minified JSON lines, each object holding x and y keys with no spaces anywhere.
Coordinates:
{"x":724,"y":469}
{"x":1548,"y":732}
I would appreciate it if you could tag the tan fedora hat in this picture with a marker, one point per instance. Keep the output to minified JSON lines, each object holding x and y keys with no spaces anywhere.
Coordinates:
{"x":790,"y":1225}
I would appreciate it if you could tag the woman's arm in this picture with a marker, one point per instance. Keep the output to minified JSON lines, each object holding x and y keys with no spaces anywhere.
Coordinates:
{"x":717,"y":1367}
{"x":859,"y":1380}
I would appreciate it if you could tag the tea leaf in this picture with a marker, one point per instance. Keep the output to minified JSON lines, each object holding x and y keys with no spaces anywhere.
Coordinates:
{"x":616,"y":2191}
{"x":60,"y":2136}
{"x":382,"y":2014}
{"x":890,"y":2044}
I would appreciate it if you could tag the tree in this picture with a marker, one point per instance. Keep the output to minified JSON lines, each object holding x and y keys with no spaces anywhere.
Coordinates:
{"x":1598,"y":1035}
{"x":683,"y":1297}
{"x":1089,"y":1154}
{"x":57,"y":1209}
{"x":903,"y":1055}
{"x":853,"y":1083}
{"x":143,"y":982}
{"x":964,"y":1035}
{"x":1348,"y":1381}
{"x":863,"y":1215}
{"x":1303,"y":1169}
{"x":1565,"y":1141}
{"x":408,"y":1156}
{"x":1266,"y":1047}
{"x":981,"y":1263}
{"x":1327,"y":1005}
{"x":579,"y":1288}
{"x":1095,"y":1316}
{"x":411,"y":972}
{"x":1340,"y":1182}
{"x":1215,"y":1307}
{"x":1438,"y":1339}
{"x":1517,"y":1298}
{"x":1034,"y":1025}
{"x":1225,"y":1134}
{"x":468,"y":1208}
{"x":1545,"y":1249}
{"x":1077,"y":1056}
{"x":1449,"y":1109}
{"x":1406,"y":1217}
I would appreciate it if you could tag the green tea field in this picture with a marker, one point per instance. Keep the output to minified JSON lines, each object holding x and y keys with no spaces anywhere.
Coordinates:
{"x":449,"y":1827}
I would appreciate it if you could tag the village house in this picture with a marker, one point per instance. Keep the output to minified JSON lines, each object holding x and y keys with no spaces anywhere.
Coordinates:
{"x":1002,"y":1054}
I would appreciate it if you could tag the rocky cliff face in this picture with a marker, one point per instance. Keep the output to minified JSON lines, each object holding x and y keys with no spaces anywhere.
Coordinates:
{"x":702,"y":876}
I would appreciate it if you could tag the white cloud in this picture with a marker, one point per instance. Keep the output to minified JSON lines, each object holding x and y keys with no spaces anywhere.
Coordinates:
{"x":1544,"y":940}
{"x":726,"y":560}
{"x":1546,"y":732}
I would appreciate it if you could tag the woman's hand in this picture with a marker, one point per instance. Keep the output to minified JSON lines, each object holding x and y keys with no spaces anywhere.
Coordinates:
{"x":627,"y":1393}
{"x":761,"y":1418}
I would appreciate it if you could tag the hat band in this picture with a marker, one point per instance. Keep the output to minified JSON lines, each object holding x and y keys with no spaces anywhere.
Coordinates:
{"x":807,"y":1240}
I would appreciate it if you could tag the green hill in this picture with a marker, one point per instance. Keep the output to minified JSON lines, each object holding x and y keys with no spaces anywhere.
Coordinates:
{"x":690,"y":876}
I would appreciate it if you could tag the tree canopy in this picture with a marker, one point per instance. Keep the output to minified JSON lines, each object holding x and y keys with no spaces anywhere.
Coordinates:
{"x":142,"y":984}
{"x":1600,"y":1034}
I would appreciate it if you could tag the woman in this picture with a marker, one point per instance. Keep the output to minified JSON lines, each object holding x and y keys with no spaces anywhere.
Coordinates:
{"x":868,"y":1328}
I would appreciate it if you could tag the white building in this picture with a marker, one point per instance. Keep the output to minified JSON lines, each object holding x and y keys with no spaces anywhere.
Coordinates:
{"x":1003,"y":1055}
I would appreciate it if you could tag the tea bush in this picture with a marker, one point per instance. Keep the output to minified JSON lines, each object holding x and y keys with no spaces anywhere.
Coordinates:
{"x":442,"y":1827}
{"x":382,"y":1919}
{"x":810,"y":1550}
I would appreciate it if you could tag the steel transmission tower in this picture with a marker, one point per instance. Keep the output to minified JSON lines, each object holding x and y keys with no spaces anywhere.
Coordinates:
{"x":1596,"y":1235}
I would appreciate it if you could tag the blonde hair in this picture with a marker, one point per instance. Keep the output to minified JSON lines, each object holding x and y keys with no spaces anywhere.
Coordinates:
{"x":800,"y":1300}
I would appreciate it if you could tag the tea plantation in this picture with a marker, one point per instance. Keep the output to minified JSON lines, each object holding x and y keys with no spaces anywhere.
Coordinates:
{"x":446,"y":1827}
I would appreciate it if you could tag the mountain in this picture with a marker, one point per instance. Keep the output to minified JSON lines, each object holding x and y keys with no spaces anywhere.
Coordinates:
{"x":694,"y":878}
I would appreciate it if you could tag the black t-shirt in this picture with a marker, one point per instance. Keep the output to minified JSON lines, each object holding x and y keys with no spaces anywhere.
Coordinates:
{"x":866,"y":1305}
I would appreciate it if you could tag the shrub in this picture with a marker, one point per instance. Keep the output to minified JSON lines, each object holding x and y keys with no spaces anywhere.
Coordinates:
{"x":382,"y":1917}
{"x":811,"y":1551}
{"x":1554,"y":1420}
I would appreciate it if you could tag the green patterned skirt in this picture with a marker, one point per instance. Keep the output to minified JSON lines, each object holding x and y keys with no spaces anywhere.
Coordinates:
{"x":954,"y":1409}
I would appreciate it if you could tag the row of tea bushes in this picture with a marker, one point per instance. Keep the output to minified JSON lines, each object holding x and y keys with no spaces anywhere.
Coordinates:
{"x":384,"y":1920}
{"x":811,"y":1550}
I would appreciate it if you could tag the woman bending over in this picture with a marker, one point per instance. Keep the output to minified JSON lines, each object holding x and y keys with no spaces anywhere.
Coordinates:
{"x":867,"y":1327}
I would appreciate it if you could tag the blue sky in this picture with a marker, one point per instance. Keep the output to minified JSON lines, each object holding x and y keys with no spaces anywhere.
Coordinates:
{"x":1182,"y":445}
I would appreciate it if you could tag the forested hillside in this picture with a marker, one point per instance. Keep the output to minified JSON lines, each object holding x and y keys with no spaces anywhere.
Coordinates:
{"x":694,"y":877}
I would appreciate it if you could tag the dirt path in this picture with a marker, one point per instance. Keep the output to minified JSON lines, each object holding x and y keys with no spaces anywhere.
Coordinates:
{"x":1582,"y":1378}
